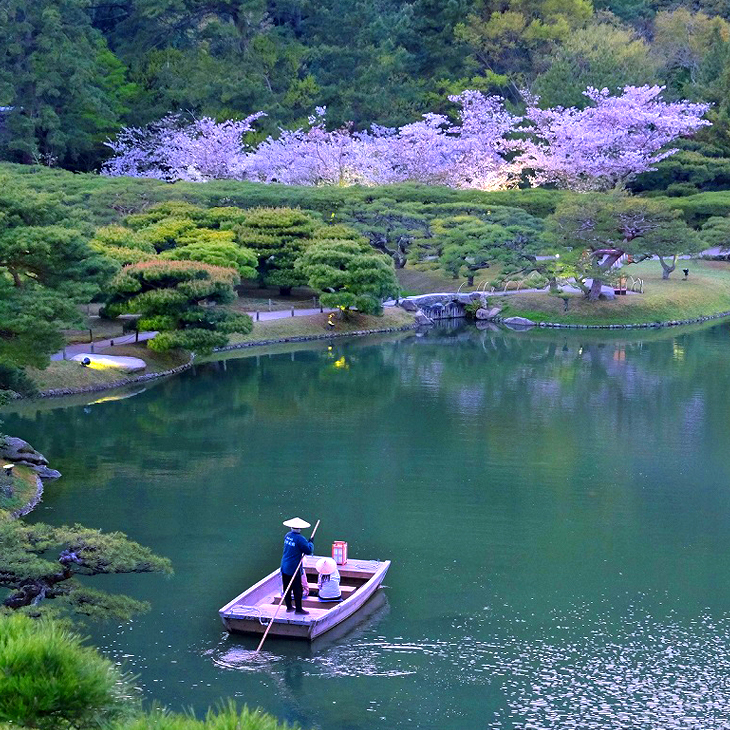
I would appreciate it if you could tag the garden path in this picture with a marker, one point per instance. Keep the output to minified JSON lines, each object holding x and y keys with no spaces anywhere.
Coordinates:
{"x":78,"y":349}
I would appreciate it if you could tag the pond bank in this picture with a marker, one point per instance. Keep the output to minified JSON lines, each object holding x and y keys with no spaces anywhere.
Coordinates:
{"x":27,"y":493}
{"x":641,"y":325}
{"x":32,"y":503}
{"x":298,"y":329}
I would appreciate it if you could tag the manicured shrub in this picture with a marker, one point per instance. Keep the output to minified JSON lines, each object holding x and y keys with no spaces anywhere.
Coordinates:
{"x":696,"y":209}
{"x":176,"y":298}
{"x":349,"y":274}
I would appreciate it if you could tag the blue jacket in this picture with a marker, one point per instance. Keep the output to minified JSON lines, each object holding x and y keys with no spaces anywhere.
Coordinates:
{"x":295,"y":546}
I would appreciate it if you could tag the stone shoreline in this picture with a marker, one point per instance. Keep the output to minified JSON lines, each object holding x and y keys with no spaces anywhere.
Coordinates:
{"x":641,"y":325}
{"x":323,"y":336}
{"x":59,"y":392}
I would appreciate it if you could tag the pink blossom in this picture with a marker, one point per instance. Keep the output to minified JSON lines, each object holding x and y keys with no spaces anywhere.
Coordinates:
{"x":171,"y":150}
{"x":604,"y":145}
{"x":310,"y":156}
{"x":596,"y":148}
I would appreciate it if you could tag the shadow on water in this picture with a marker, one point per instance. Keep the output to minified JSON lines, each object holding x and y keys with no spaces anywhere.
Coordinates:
{"x":235,"y":651}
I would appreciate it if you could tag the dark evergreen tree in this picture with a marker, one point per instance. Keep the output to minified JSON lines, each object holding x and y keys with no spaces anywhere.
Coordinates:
{"x":63,"y":92}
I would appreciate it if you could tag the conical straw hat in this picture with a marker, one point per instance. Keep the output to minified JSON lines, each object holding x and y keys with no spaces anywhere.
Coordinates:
{"x":326,"y":566}
{"x":296,"y":523}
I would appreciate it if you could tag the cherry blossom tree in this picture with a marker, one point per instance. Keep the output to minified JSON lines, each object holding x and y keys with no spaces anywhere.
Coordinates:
{"x":312,"y":156}
{"x":484,"y":139}
{"x":596,"y":148}
{"x":604,"y":145}
{"x":435,"y":151}
{"x":171,"y":149}
{"x":419,"y":152}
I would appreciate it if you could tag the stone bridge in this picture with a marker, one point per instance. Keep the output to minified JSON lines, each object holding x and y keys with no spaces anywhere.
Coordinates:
{"x":447,"y":305}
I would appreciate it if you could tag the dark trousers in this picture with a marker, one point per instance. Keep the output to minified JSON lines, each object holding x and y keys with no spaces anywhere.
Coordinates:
{"x":296,"y":587}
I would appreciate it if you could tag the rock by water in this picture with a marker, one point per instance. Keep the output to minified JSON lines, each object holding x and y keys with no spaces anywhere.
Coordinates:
{"x":518,"y":322}
{"x":17,"y":451}
{"x":487,"y":314}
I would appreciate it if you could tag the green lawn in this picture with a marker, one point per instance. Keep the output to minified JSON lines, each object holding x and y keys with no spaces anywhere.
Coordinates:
{"x":316,"y":324}
{"x":705,"y":292}
{"x":66,"y":374}
{"x":426,"y":278}
{"x":22,"y":490}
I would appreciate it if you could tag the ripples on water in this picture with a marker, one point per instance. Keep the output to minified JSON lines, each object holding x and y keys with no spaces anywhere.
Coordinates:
{"x":640,"y":672}
{"x":600,"y":673}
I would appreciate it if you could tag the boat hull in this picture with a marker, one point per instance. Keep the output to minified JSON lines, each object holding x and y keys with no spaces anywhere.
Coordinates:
{"x":251,"y":612}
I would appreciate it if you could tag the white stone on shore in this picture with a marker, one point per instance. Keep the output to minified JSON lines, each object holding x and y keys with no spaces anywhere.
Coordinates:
{"x":112,"y":362}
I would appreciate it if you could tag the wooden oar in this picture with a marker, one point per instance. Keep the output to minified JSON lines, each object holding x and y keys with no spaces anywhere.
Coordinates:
{"x":285,"y":594}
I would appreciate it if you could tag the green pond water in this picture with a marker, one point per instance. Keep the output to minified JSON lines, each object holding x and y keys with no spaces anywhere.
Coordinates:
{"x":556,"y":507}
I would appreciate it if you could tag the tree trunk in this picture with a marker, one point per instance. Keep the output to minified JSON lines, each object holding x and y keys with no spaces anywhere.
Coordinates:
{"x":470,"y":280}
{"x":595,"y":291}
{"x":379,"y":243}
{"x":666,"y":268}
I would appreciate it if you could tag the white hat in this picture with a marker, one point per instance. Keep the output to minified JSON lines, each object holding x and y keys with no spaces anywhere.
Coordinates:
{"x":296,"y":523}
{"x":326,"y":566}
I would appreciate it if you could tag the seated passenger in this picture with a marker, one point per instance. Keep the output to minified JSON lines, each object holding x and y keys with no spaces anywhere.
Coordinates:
{"x":329,"y":580}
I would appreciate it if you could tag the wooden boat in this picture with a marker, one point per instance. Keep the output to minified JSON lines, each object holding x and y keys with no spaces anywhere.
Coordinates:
{"x":252,"y":611}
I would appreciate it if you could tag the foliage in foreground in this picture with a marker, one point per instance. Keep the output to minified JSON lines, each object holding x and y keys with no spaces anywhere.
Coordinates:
{"x":47,"y":268}
{"x":227,"y":717}
{"x":39,"y":563}
{"x":50,"y":681}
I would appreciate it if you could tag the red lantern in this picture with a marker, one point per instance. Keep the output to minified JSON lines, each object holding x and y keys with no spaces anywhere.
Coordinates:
{"x":339,"y":552}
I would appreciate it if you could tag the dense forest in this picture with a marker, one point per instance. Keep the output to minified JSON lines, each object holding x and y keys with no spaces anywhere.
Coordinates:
{"x":73,"y":72}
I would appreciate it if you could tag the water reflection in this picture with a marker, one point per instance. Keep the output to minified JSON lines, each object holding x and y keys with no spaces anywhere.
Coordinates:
{"x":555,"y":505}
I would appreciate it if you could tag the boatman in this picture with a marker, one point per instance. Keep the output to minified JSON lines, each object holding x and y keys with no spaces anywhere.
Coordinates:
{"x":296,"y":546}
